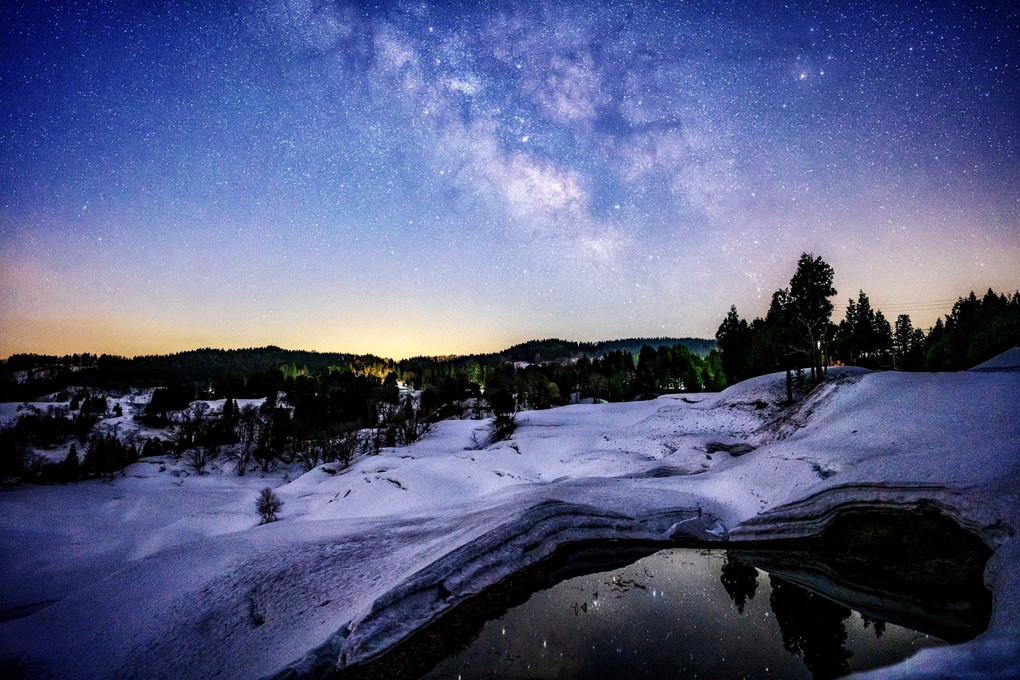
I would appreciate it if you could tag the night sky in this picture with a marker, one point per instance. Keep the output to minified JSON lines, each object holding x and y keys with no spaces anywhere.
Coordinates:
{"x":405,"y":178}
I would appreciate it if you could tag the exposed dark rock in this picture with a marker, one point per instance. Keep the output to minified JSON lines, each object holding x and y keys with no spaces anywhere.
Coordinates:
{"x":737,"y":449}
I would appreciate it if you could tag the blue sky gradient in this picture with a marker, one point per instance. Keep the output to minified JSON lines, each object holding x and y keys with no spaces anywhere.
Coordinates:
{"x":409,"y":178}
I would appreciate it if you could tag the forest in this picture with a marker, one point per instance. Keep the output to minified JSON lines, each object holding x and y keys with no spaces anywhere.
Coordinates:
{"x":311,"y":408}
{"x":797,"y":332}
{"x":276,"y":406}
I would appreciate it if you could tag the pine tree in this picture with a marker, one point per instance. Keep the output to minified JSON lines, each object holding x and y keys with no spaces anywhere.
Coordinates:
{"x":863,"y":328}
{"x":646,"y":372}
{"x":810,"y":309}
{"x":230,"y":410}
{"x":903,"y":339}
{"x":779,"y":338}
{"x":71,"y":467}
{"x":881,"y":336}
{"x":734,"y":342}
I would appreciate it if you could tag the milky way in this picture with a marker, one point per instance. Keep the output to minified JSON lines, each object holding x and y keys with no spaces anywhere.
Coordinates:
{"x":420,"y":178}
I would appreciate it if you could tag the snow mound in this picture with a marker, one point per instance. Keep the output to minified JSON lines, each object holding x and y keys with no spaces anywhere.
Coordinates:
{"x":1007,"y":361}
{"x":770,"y":390}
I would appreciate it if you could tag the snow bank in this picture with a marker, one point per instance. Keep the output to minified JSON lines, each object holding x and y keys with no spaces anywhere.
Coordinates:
{"x":1008,"y":360}
{"x":160,"y":576}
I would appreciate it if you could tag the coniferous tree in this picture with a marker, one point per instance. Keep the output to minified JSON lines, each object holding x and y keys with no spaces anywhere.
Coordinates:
{"x":683,"y":366}
{"x":504,"y":410}
{"x":796,"y":331}
{"x":714,"y":376}
{"x":903,"y":342}
{"x":864,"y":337}
{"x":71,"y":467}
{"x":937,"y":353}
{"x":734,"y":339}
{"x":779,"y":336}
{"x":810,"y":309}
{"x":882,"y":336}
{"x":976,"y":330}
{"x":229,"y":409}
{"x":861,"y":328}
{"x":645,"y":380}
{"x":106,"y":453}
{"x":812,"y":628}
{"x":740,"y":580}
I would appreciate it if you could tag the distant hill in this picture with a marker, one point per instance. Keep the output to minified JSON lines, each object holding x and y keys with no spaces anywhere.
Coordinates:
{"x":25,"y":375}
{"x":559,"y":350}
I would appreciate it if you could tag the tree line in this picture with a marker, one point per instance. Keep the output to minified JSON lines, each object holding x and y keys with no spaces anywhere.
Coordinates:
{"x":245,"y":373}
{"x":334,"y":413}
{"x":329,"y":408}
{"x":797,"y":333}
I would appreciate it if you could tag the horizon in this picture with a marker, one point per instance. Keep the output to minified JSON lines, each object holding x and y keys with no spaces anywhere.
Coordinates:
{"x":440,"y":356}
{"x":932,"y":313}
{"x":434,"y":180}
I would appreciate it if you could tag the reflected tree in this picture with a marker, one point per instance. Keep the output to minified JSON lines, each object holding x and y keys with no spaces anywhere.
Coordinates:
{"x":740,"y":580}
{"x":877,"y":624}
{"x":812,"y":628}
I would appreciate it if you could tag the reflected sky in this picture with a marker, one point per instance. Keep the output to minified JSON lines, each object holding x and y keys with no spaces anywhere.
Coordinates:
{"x":670,"y":615}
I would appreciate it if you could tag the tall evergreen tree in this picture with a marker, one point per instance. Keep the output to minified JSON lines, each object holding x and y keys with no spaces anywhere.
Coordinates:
{"x":71,"y":468}
{"x":229,"y":410}
{"x":734,"y":340}
{"x":882,"y":336}
{"x":714,"y":376}
{"x":779,"y":336}
{"x":908,"y":344}
{"x":863,"y":329}
{"x":646,"y":370}
{"x":810,"y":309}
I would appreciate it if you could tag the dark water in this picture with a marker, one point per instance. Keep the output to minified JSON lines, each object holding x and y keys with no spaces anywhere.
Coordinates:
{"x":680,"y":613}
{"x":874,"y":588}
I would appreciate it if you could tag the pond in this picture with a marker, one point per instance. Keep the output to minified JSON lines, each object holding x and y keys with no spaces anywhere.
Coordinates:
{"x":680,"y":613}
{"x":805,"y":610}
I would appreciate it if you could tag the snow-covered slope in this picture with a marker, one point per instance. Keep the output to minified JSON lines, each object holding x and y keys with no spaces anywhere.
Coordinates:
{"x":1007,"y":361}
{"x":161,"y":576}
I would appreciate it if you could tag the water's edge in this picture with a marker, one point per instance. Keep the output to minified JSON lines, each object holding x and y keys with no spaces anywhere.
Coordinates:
{"x":552,"y":540}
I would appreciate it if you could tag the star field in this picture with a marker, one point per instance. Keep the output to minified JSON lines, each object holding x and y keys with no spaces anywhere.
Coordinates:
{"x":405,"y":178}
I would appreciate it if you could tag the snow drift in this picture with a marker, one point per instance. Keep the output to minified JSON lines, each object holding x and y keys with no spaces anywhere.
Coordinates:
{"x":159,"y":575}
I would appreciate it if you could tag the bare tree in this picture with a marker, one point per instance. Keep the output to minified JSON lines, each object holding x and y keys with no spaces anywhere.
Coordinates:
{"x":242,"y":456}
{"x":248,"y":424}
{"x":268,"y":504}
{"x":200,"y":409}
{"x":198,"y":457}
{"x":346,"y":446}
{"x":309,"y":453}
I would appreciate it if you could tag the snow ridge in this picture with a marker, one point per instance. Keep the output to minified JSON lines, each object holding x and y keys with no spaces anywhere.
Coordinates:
{"x":467,"y":571}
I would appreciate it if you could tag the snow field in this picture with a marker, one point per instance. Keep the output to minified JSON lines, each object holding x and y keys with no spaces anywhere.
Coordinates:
{"x":163,"y":575}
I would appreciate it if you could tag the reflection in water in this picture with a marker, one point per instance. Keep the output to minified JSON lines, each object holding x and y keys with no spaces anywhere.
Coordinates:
{"x":679,"y":613}
{"x":917,"y":570}
{"x":811,"y":625}
{"x":878,"y":624}
{"x":823,"y":611}
{"x":812,"y":628}
{"x":740,"y":580}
